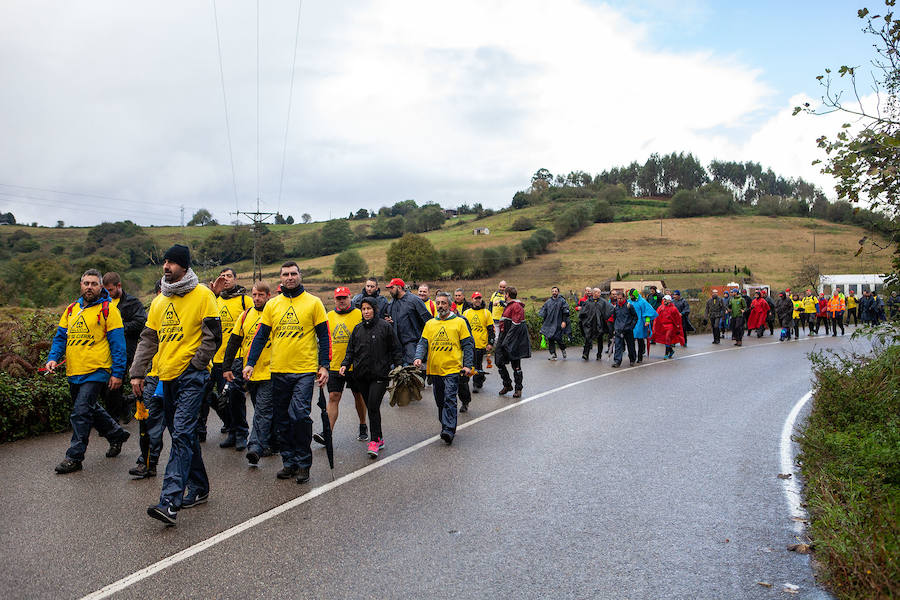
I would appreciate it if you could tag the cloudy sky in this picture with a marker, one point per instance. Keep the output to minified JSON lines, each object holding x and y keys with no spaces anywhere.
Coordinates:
{"x":113,"y":110}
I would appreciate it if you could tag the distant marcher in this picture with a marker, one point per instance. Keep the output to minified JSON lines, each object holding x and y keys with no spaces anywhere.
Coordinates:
{"x":667,"y":329}
{"x":770,"y":314}
{"x":447,"y":349}
{"x":408,"y":314}
{"x":424,"y":293}
{"x":654,"y":298}
{"x":497,"y":304}
{"x":593,"y":318}
{"x":133,"y":318}
{"x":836,"y":313}
{"x":588,"y":294}
{"x":799,"y":312}
{"x":482,"y":324}
{"x":460,"y":304}
{"x":759,"y":310}
{"x":371,"y":290}
{"x":737,"y":306}
{"x":685,"y":309}
{"x":643,"y":329}
{"x":822,"y":313}
{"x":893,"y":305}
{"x":555,"y":313}
{"x":371,"y":352}
{"x":91,"y":339}
{"x":341,"y":322}
{"x":262,"y":434}
{"x":852,"y":306}
{"x":513,"y":343}
{"x":784,"y":309}
{"x":808,"y":314}
{"x":624,"y":318}
{"x":715,"y":310}
{"x":867,"y":310}
{"x":880,"y":316}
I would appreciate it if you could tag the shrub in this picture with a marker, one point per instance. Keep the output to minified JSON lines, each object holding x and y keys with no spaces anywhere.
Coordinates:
{"x":522,"y":224}
{"x":603,"y":212}
{"x":349,"y":266}
{"x":413,"y":257}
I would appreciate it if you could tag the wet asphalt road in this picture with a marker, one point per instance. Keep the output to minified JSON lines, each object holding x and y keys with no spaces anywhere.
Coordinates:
{"x":658,"y":481}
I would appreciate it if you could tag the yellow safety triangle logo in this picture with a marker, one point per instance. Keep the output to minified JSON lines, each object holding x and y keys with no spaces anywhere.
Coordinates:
{"x":289,"y":318}
{"x":170,"y":316}
{"x":340,"y":333}
{"x":442,"y":337}
{"x":80,"y":326}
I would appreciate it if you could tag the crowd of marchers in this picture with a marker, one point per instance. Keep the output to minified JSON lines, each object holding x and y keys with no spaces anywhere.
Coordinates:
{"x":198,"y":347}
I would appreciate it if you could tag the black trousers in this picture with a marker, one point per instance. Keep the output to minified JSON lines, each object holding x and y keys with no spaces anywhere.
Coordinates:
{"x":623,"y":339}
{"x":819,"y":321}
{"x":737,"y":328}
{"x":517,"y":373}
{"x":589,"y":343}
{"x":478,"y":379}
{"x":851,"y":312}
{"x":373,"y":392}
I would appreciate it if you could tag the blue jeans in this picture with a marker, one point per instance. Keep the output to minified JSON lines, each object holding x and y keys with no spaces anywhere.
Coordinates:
{"x":445,"y":390}
{"x":292,"y":395}
{"x":182,"y":398}
{"x":263,"y":411}
{"x":87,"y":412}
{"x":155,"y":424}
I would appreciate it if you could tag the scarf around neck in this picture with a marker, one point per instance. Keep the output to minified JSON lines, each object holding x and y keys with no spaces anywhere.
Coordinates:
{"x":180,"y":287}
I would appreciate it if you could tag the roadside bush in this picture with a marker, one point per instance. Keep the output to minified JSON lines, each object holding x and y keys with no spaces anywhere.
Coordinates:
{"x":414,"y":258}
{"x":603,"y":212}
{"x":850,"y":452}
{"x":30,"y":403}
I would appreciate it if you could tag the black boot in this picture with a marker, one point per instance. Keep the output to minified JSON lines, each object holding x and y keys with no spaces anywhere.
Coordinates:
{"x":517,"y":376}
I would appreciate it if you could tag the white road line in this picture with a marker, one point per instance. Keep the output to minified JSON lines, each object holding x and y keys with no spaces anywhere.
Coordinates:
{"x":791,"y":486}
{"x":129,"y":580}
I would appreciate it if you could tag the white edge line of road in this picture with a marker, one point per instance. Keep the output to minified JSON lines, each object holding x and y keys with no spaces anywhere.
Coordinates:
{"x":220,"y":537}
{"x":791,"y":486}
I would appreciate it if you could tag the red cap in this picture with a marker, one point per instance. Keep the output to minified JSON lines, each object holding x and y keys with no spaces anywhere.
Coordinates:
{"x":342,"y":291}
{"x":476,"y":295}
{"x":396,"y":281}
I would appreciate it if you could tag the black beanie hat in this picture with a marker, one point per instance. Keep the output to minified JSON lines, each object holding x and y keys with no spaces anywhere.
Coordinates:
{"x":370,"y":301}
{"x":180,"y":255}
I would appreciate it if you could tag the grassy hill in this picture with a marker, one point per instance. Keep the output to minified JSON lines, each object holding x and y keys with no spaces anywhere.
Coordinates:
{"x":774,"y":249}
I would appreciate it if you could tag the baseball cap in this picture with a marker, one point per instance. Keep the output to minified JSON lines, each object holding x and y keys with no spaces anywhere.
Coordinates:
{"x":341,"y":291}
{"x":476,"y":295}
{"x":396,"y":281}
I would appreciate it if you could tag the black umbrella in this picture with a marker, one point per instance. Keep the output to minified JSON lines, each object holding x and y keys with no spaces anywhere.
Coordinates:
{"x":326,"y":431}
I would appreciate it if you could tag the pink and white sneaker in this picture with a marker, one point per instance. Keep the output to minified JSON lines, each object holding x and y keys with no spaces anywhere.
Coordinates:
{"x":374,"y":447}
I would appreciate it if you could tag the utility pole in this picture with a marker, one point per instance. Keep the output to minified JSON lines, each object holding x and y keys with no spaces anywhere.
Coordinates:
{"x":182,"y":215}
{"x":257,"y":218}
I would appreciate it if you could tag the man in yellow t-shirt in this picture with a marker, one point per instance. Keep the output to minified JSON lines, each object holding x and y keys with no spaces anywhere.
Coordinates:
{"x":482,"y":323}
{"x":341,"y":322}
{"x":424,"y":294}
{"x":446,"y":347}
{"x":182,"y":334}
{"x":852,"y":308}
{"x":91,"y":338}
{"x":301,"y":355}
{"x":231,"y":300}
{"x":260,"y":384}
{"x":497,"y":304}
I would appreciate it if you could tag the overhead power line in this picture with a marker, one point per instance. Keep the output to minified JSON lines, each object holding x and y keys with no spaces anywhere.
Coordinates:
{"x":225,"y":103}
{"x":287,"y":124}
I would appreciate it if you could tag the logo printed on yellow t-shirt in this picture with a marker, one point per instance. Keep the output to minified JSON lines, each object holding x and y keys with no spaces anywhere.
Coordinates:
{"x":170,"y":317}
{"x":79,"y":334}
{"x":289,"y":318}
{"x":340,"y":334}
{"x":225,"y":315}
{"x":171,"y":330}
{"x":441,"y":342}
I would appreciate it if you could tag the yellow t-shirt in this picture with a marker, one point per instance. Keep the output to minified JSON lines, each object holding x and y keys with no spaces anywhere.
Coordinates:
{"x":851,"y":302}
{"x":247,"y":330}
{"x":229,"y":311}
{"x":444,"y":349}
{"x":809,"y":304}
{"x":340,"y":326}
{"x":497,"y":309}
{"x":87,"y":349}
{"x":480,"y":320}
{"x":430,"y":305}
{"x":798,"y":308}
{"x":293,"y":322}
{"x":177,"y":321}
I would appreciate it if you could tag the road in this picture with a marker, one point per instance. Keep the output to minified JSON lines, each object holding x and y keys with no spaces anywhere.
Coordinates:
{"x":657,"y":481}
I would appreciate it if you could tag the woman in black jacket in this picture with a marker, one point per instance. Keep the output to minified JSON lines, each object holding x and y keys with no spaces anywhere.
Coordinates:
{"x":371,"y":352}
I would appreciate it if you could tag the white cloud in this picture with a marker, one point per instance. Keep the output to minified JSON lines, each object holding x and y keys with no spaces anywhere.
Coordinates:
{"x":394,"y":99}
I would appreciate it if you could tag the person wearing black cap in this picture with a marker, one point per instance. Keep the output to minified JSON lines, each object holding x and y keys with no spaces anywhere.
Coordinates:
{"x":183,"y":332}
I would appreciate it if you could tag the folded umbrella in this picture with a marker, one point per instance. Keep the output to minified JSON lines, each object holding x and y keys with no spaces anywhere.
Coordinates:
{"x":326,"y":431}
